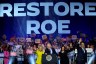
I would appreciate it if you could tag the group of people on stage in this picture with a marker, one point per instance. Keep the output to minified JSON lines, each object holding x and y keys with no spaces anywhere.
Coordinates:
{"x":64,"y":50}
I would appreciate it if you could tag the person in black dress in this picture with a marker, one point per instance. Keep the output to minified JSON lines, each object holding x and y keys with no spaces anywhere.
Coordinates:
{"x":63,"y":56}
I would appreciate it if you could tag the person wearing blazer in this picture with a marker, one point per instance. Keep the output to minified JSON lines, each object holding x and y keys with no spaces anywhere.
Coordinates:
{"x":81,"y":53}
{"x":49,"y":50}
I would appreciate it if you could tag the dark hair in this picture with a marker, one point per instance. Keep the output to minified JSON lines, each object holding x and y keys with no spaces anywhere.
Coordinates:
{"x":62,"y":47}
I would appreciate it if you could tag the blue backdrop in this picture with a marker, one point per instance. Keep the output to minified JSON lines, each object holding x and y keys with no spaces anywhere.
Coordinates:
{"x":17,"y":25}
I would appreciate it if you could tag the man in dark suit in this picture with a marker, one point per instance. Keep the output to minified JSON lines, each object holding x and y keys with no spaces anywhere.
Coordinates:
{"x":81,"y":53}
{"x":49,"y":50}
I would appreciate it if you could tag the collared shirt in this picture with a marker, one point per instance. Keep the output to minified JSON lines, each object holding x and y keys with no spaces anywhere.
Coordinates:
{"x":51,"y":51}
{"x":83,"y":50}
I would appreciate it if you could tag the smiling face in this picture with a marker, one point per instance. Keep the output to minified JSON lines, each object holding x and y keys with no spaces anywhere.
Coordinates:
{"x":49,"y":46}
{"x":62,"y":48}
{"x":40,"y":48}
{"x":82,"y":45}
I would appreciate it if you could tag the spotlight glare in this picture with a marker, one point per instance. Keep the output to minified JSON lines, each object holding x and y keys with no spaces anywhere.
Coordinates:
{"x":31,"y":59}
{"x":91,"y":59}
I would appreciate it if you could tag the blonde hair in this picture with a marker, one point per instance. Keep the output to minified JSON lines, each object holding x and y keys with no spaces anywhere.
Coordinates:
{"x":40,"y":47}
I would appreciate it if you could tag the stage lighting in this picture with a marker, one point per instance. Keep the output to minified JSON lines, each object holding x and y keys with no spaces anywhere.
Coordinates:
{"x":91,"y":59}
{"x":31,"y":59}
{"x":12,"y":57}
{"x":11,"y":60}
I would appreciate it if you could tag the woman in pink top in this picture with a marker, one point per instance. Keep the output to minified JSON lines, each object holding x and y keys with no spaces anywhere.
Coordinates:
{"x":6,"y":56}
